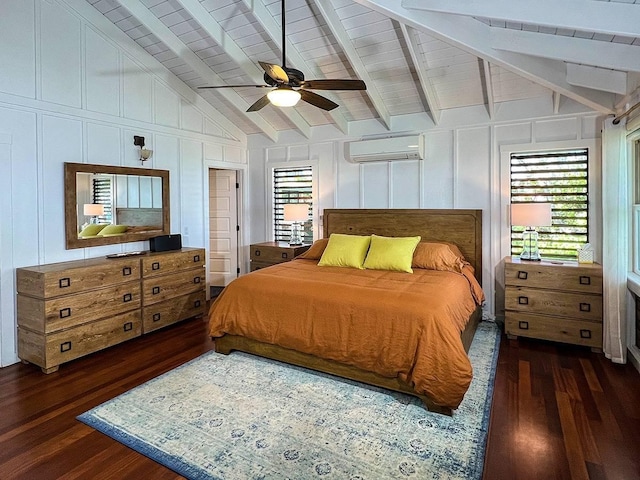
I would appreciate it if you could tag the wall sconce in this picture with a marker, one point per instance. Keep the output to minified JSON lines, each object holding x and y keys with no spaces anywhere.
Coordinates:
{"x":145,"y":153}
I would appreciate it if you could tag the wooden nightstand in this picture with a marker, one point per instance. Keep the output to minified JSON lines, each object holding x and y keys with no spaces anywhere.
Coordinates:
{"x":559,"y":301}
{"x":271,"y":253}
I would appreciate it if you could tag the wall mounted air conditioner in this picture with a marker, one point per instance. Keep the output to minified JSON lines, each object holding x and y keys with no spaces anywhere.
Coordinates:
{"x":386,"y":149}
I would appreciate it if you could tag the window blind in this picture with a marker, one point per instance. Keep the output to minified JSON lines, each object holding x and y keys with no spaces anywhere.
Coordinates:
{"x":103,"y":194}
{"x":562,"y":179}
{"x":291,"y":185}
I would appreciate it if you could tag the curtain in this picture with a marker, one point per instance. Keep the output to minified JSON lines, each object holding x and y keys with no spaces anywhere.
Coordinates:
{"x":615,"y":241}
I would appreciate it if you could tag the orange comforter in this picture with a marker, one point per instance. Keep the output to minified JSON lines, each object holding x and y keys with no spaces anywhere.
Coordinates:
{"x":392,"y":323}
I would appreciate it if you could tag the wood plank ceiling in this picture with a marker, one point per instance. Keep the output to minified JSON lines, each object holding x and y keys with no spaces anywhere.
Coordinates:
{"x":416,"y":56}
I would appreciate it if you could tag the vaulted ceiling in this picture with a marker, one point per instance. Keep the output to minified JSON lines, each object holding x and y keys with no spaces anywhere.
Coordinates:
{"x":415,"y":56}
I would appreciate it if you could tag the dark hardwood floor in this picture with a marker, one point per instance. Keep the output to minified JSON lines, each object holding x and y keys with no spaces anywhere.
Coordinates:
{"x":559,"y":412}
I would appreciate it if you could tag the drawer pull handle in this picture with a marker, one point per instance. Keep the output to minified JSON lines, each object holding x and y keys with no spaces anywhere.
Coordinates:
{"x":196,"y":279}
{"x":523,"y":300}
{"x":585,"y":307}
{"x":127,"y":326}
{"x":584,"y":280}
{"x":155,"y":290}
{"x":257,"y":253}
{"x":65,"y":312}
{"x":585,"y":333}
{"x":522,"y":275}
{"x":127,"y":297}
{"x":155,"y":266}
{"x":196,"y":304}
{"x":64,"y":282}
{"x":285,"y":255}
{"x":156,"y":317}
{"x":523,"y":325}
{"x":65,"y":347}
{"x":126,"y":271}
{"x":196,"y":258}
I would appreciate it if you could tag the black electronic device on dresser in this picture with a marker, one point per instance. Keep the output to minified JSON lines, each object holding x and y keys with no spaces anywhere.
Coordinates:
{"x":164,"y":243}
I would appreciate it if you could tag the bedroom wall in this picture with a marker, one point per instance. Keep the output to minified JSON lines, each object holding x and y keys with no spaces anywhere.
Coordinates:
{"x":74,"y":88}
{"x":463,"y":168}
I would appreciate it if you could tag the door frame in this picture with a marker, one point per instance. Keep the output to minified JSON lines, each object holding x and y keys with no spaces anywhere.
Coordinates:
{"x":241,"y":175}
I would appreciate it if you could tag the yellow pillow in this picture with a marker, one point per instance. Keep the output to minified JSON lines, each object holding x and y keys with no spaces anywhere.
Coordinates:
{"x":391,"y":253}
{"x":91,"y":230}
{"x":111,"y":230}
{"x":345,"y":251}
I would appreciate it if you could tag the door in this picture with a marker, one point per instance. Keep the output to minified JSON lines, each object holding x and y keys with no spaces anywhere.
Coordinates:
{"x":223,"y":227}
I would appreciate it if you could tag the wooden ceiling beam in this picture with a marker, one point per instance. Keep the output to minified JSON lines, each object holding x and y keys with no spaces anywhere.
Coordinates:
{"x":609,"y":18}
{"x":473,"y":37}
{"x":212,"y":27}
{"x":166,"y":36}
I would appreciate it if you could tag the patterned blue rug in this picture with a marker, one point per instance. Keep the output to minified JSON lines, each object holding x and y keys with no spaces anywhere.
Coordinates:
{"x":241,"y":417}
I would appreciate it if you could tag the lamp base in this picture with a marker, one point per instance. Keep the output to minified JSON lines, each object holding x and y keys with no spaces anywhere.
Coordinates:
{"x":296,"y":237}
{"x":530,"y":251}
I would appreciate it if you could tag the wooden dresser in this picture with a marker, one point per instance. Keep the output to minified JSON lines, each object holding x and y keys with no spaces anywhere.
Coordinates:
{"x":271,"y":253}
{"x":70,"y":309}
{"x":559,"y":301}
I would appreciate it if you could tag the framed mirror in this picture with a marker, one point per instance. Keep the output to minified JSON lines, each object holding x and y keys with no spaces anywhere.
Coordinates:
{"x":106,"y":204}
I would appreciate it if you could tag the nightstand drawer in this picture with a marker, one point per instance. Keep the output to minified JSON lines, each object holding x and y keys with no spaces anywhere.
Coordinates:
{"x":266,"y":254}
{"x":259,"y":265}
{"x":577,"y":332}
{"x":549,"y":302}
{"x":554,"y":277}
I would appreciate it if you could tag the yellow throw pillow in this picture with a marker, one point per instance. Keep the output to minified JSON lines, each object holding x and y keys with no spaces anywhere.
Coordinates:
{"x":111,"y":230}
{"x":391,"y":253}
{"x":345,"y":251}
{"x":92,"y":230}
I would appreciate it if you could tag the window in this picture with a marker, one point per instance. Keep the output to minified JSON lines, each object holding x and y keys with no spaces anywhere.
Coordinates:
{"x":559,"y":178}
{"x":102,"y":193}
{"x":292,"y":185}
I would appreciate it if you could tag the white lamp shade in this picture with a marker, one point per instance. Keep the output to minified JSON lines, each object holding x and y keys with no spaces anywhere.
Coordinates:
{"x":531,"y":214}
{"x":283,"y":97}
{"x":91,"y":209}
{"x":296,"y":212}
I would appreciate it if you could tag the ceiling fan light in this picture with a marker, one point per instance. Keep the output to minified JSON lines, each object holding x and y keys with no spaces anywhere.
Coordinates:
{"x":283,"y":97}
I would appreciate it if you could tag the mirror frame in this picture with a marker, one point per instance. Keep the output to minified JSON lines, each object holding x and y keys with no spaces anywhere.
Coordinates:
{"x":71,"y":209}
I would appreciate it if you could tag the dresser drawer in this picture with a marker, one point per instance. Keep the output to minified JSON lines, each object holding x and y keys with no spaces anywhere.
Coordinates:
{"x":165,"y":313}
{"x":59,"y":279}
{"x":63,"y":312}
{"x":158,"y":289}
{"x":552,"y":277}
{"x":578,"y":332}
{"x":565,"y":304}
{"x":163,"y":263}
{"x":52,"y":350}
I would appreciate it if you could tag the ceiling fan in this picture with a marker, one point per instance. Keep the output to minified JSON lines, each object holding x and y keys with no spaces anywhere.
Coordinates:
{"x":288,"y":84}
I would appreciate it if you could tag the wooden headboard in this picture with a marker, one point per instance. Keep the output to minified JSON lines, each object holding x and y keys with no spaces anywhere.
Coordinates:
{"x":462,"y":227}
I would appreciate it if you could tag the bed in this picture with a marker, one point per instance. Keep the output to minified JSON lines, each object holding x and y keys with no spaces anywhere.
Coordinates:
{"x":355,"y":323}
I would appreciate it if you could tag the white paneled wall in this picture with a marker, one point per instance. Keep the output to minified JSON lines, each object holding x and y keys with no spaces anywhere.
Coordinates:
{"x":74,"y":88}
{"x":461,"y":169}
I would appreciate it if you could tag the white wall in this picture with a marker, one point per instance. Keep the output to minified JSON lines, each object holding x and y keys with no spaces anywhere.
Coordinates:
{"x":462,"y":169}
{"x":74,"y":88}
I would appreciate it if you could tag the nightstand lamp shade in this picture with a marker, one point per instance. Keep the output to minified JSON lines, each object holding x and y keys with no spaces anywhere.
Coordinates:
{"x":530,"y":216}
{"x":93,"y":210}
{"x":296,"y":213}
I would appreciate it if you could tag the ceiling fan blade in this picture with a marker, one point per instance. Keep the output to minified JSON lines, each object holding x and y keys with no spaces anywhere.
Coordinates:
{"x":335,"y":84}
{"x":275,"y":71}
{"x":317,"y":100}
{"x":234,"y":86}
{"x":262,"y":101}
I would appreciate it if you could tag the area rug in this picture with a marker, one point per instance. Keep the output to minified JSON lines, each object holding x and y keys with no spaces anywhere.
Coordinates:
{"x":241,"y":417}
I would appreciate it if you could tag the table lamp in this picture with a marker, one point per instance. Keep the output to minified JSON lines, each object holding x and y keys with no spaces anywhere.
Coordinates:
{"x":530,"y":216}
{"x":296,"y":213}
{"x":93,"y":210}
